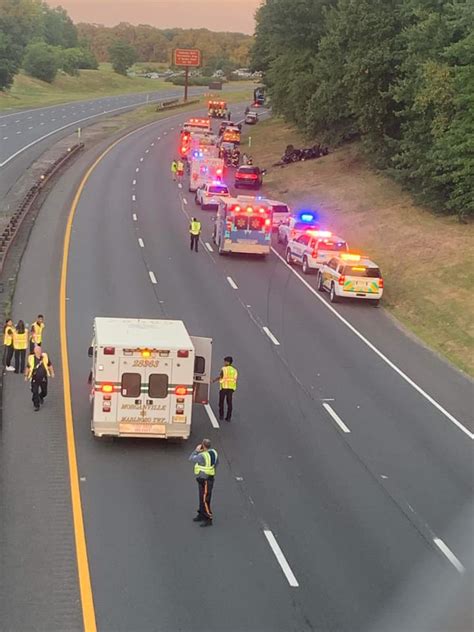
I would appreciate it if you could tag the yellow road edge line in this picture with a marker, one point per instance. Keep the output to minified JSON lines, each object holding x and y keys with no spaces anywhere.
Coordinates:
{"x":85,"y":586}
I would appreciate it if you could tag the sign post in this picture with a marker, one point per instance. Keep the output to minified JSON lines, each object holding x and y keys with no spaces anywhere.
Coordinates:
{"x":187,"y":58}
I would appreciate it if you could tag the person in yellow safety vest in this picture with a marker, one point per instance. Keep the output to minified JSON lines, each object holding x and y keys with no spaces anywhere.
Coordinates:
{"x":38,"y":369}
{"x":180,"y":169}
{"x":36,"y":332}
{"x":174,"y":169}
{"x":205,"y":461}
{"x":8,"y":331}
{"x":228,"y":383}
{"x":20,"y":345}
{"x":194,"y":232}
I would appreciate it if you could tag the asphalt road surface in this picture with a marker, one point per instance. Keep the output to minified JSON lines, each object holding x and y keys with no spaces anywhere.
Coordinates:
{"x":344,"y":493}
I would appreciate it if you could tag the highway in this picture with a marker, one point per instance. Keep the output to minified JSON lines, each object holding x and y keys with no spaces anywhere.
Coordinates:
{"x":345,"y":472}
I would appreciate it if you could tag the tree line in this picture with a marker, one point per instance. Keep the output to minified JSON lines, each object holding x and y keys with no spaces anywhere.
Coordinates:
{"x":396,"y":74}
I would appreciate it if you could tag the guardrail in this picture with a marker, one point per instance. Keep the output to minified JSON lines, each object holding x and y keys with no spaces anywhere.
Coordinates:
{"x":174,"y":103}
{"x":11,"y":230}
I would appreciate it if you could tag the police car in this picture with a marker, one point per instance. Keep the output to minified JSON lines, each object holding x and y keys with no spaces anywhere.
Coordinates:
{"x":314,"y":248}
{"x":296,"y":225}
{"x":351,"y":275}
{"x":208,"y":195}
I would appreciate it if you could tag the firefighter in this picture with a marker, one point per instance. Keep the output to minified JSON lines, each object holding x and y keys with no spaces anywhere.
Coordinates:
{"x":194,"y":232}
{"x":228,"y":385}
{"x":36,"y":332}
{"x":8,"y":333}
{"x":38,"y":369}
{"x":205,"y":461}
{"x":20,"y":345}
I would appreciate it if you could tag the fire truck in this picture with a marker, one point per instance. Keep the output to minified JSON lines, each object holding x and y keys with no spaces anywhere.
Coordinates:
{"x":217,"y":109}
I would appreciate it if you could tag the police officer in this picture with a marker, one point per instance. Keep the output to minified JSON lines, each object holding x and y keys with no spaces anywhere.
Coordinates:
{"x":36,"y":332}
{"x":38,"y":369}
{"x":20,"y":345}
{"x":228,"y":384}
{"x":194,"y":232}
{"x":205,"y":461}
{"x":8,"y":331}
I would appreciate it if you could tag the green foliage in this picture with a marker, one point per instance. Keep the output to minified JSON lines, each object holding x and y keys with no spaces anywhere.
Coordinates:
{"x":399,"y":74}
{"x":122,"y":56}
{"x":41,"y":61}
{"x":58,"y":28}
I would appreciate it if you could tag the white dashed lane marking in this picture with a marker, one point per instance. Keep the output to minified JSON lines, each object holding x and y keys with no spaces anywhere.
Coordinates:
{"x":232,"y":283}
{"x":212,"y":417}
{"x":336,"y":417}
{"x":152,"y":277}
{"x":140,"y":242}
{"x":271,"y":336}
{"x":285,"y":567}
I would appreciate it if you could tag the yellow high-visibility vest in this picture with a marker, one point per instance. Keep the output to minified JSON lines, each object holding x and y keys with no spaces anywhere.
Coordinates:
{"x":229,"y":377}
{"x":8,"y":336}
{"x":20,"y":341}
{"x":195,"y":228}
{"x":37,"y":333}
{"x":31,"y":364}
{"x":207,"y":468}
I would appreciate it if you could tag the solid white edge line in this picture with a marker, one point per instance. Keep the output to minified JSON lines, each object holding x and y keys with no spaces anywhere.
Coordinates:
{"x":378,"y":352}
{"x":212,"y":417}
{"x":209,"y":247}
{"x":232,"y":283}
{"x":140,"y":242}
{"x":444,"y":548}
{"x":336,"y":417}
{"x":152,"y":277}
{"x":271,"y":336}
{"x":285,"y":567}
{"x":134,"y":217}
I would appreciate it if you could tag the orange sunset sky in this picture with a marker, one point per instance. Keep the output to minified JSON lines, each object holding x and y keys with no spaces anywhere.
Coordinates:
{"x":217,"y":15}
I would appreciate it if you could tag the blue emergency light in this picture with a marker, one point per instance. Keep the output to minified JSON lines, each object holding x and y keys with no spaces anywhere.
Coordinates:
{"x":307,"y":216}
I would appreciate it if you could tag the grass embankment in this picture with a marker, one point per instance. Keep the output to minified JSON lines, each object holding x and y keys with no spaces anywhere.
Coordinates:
{"x":426,"y":260}
{"x":90,"y":84}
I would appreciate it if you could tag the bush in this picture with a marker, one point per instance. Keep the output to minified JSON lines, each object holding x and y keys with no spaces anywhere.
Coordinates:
{"x":194,"y":81}
{"x":41,"y":61}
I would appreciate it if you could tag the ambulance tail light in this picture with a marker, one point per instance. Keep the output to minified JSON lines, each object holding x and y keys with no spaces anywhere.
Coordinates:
{"x":109,"y":350}
{"x":180,"y":391}
{"x":183,"y":353}
{"x":268,"y":222}
{"x":381,"y":284}
{"x":107,"y":388}
{"x":341,"y":280}
{"x":145,"y":353}
{"x":249,"y":209}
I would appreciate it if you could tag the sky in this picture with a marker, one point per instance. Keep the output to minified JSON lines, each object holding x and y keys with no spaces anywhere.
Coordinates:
{"x":216,"y":15}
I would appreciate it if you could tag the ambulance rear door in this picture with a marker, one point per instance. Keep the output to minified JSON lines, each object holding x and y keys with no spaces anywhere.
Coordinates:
{"x":202,"y":369}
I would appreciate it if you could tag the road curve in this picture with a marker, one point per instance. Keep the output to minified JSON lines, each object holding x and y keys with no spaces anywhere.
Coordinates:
{"x":354,"y":514}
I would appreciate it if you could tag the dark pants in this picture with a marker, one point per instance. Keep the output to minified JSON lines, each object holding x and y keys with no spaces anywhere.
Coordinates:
{"x":194,"y":242}
{"x":39,"y":388}
{"x":20,"y":355}
{"x":205,"y":494}
{"x":8,"y":355}
{"x":225,"y":394}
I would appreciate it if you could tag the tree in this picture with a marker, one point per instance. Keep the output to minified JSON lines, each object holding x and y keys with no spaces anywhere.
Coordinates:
{"x":122,"y":56}
{"x":41,"y":61}
{"x":58,"y":28}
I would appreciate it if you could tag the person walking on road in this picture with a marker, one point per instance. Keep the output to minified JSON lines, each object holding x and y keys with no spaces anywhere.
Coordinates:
{"x":38,"y":369}
{"x":20,"y":345}
{"x":36,"y":333}
{"x":180,"y":170}
{"x":228,"y":385}
{"x":174,"y":169}
{"x":8,"y":332}
{"x":205,"y":461}
{"x":194,"y":232}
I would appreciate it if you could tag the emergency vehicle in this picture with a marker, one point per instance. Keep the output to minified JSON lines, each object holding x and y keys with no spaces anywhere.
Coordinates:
{"x":197,"y":125}
{"x":231,"y":134}
{"x":217,"y":109}
{"x":146,"y":374}
{"x":194,"y":141}
{"x":281,"y":212}
{"x":208,"y":195}
{"x":351,"y":275}
{"x":242,"y":226}
{"x":205,"y":169}
{"x":296,"y":225}
{"x":314,"y":248}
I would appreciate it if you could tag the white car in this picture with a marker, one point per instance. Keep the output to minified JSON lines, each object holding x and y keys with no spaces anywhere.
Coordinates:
{"x":281,"y":212}
{"x":208,"y":195}
{"x":314,"y":248}
{"x":295,"y":226}
{"x":350,"y":275}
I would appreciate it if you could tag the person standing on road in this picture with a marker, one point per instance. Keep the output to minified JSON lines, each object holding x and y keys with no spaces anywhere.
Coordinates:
{"x":229,"y":115}
{"x":8,"y":333}
{"x":38,"y":370}
{"x":205,"y":461}
{"x":194,"y":232}
{"x":36,"y":333}
{"x":228,"y":385}
{"x":20,"y":345}
{"x":174,"y":169}
{"x":180,"y":170}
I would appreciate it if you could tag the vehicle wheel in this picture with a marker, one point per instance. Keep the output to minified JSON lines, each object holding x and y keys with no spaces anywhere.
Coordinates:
{"x":375,"y":302}
{"x":289,"y":258}
{"x":320,"y":282}
{"x":333,"y":297}
{"x":306,"y":268}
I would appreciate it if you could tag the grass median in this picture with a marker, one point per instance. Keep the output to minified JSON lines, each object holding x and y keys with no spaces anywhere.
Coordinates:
{"x":426,"y":259}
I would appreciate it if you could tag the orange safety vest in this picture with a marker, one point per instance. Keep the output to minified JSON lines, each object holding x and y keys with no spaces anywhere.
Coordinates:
{"x":20,"y":341}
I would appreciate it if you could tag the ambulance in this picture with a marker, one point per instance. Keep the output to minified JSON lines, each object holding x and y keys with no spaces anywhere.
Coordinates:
{"x":145,"y":376}
{"x":243,"y":225}
{"x":205,"y":169}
